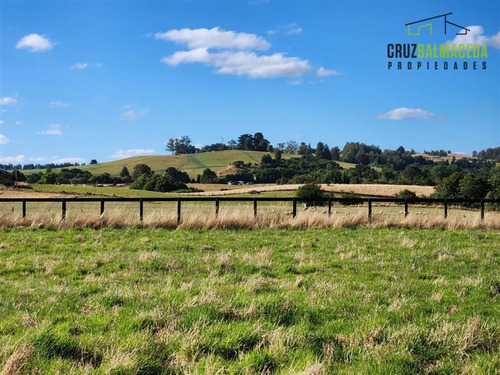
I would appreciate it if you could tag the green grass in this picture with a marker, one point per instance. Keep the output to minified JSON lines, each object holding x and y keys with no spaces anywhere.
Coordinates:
{"x":146,"y":301}
{"x":193,"y":164}
{"x":100,"y":191}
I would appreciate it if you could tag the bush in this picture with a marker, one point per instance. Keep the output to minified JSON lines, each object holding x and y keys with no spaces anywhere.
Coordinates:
{"x":310,"y":191}
{"x":407,"y":194}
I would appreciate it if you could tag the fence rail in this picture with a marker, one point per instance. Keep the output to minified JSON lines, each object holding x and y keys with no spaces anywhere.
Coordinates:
{"x":326,"y":201}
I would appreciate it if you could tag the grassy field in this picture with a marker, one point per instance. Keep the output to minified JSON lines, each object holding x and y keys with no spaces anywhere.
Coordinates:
{"x":193,"y":164}
{"x":150,"y":301}
{"x":99,"y":191}
{"x":269,"y":190}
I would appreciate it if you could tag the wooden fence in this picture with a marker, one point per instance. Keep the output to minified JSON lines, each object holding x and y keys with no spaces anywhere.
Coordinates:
{"x":325,"y":202}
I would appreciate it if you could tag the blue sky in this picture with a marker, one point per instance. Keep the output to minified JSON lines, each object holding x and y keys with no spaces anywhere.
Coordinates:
{"x":109,"y":79}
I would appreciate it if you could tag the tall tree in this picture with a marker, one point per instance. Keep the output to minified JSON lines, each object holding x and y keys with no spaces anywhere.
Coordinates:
{"x":180,"y":145}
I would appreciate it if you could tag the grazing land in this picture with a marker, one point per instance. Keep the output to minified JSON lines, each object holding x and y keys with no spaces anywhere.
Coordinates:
{"x":193,"y":164}
{"x":148,"y":301}
{"x":377,"y":190}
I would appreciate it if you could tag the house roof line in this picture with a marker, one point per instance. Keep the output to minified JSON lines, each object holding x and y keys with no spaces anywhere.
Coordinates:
{"x":454,"y":24}
{"x":430,"y":18}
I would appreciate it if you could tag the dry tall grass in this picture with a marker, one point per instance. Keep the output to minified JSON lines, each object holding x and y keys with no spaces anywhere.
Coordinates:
{"x":17,"y":361}
{"x":241,"y":217}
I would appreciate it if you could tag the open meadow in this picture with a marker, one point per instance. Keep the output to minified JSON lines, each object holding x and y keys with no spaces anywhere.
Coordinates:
{"x":284,"y":301}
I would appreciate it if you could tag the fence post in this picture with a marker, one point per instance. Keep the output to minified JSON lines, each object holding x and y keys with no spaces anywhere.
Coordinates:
{"x":24,"y":208}
{"x":445,"y":209}
{"x":294,"y":210}
{"x":254,"y":207}
{"x":329,"y":207}
{"x":178,"y":211}
{"x":102,"y":207}
{"x":216,"y":207}
{"x":369,"y":208}
{"x":406,"y":207}
{"x":141,"y":209}
{"x":482,"y":209}
{"x":63,"y":207}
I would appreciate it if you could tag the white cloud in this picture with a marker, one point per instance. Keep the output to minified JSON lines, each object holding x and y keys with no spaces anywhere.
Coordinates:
{"x":57,"y":160}
{"x":8,"y":100}
{"x":290,"y":29}
{"x":243,"y":63}
{"x":406,"y":114}
{"x":122,"y":154}
{"x":54,"y":129}
{"x":99,"y":65}
{"x":3,"y":139}
{"x":1,"y":122}
{"x":228,"y":53}
{"x":132,"y":114}
{"x":214,"y":38}
{"x":295,"y":82}
{"x":322,"y":72}
{"x":12,"y":159}
{"x":38,"y":160}
{"x":476,"y":36}
{"x":35,"y":43}
{"x":59,"y":104}
{"x":18,"y":123}
{"x":80,"y":65}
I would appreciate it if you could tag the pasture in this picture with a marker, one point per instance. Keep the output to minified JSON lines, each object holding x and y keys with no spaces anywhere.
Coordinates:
{"x":193,"y":164}
{"x":277,"y":301}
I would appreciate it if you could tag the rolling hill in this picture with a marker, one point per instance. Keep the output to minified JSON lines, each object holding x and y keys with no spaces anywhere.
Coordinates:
{"x":193,"y":164}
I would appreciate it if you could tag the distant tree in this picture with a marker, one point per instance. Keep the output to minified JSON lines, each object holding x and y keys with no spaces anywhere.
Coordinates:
{"x":104,"y":178}
{"x":414,"y":175}
{"x":124,"y":172}
{"x":48,"y":177}
{"x":139,"y":170}
{"x":18,"y":176}
{"x":93,"y":161}
{"x":180,"y":145}
{"x":33,"y":178}
{"x":232,"y":144}
{"x":245,"y":142}
{"x":335,"y":151}
{"x":277,"y":154}
{"x":473,"y":187}
{"x":441,"y":171}
{"x":280,"y":146}
{"x":208,"y":176}
{"x":291,"y":147}
{"x":305,"y":149}
{"x":266,"y":159}
{"x":260,"y":143}
{"x":323,"y":151}
{"x":177,"y":175}
{"x":494,"y":181}
{"x":449,"y":187}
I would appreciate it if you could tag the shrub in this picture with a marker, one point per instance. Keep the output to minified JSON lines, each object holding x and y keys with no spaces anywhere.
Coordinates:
{"x":310,"y":191}
{"x":407,"y":194}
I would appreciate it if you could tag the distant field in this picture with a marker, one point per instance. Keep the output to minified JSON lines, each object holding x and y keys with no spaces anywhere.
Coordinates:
{"x":220,"y":189}
{"x":98,"y":191}
{"x":347,"y":301}
{"x":380,"y":190}
{"x":193,"y":164}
